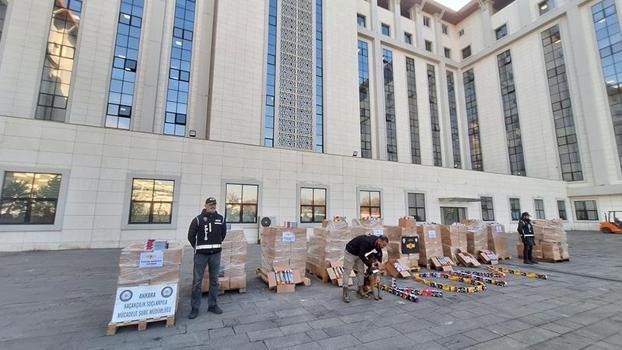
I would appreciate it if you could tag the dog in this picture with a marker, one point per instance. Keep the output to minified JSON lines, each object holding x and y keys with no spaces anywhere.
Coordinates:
{"x":372,"y":282}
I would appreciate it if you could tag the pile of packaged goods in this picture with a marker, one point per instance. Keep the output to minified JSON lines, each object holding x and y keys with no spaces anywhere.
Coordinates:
{"x":551,"y":237}
{"x":283,"y":253}
{"x":232,"y":263}
{"x":430,"y":243}
{"x":498,"y":240}
{"x":326,"y":245}
{"x":454,"y":238}
{"x":477,"y":239}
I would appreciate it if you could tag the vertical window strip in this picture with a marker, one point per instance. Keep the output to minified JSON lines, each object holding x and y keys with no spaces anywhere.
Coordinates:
{"x":270,"y":76}
{"x":176,"y":115}
{"x":453,"y":119}
{"x":565,"y":132}
{"x":434,"y":119}
{"x":2,"y":16}
{"x":364,"y":99}
{"x":609,"y":41}
{"x":415,"y":147}
{"x":59,"y":59}
{"x":389,"y":104}
{"x":319,"y":78}
{"x":121,"y":95}
{"x":470,"y":97}
{"x":510,"y":112}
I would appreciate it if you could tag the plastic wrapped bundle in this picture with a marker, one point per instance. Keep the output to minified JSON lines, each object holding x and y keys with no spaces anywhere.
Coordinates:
{"x":370,"y":226}
{"x":476,"y":236}
{"x":284,"y":247}
{"x":131,"y":273}
{"x":400,"y":238}
{"x":454,"y":238}
{"x":430,"y":243}
{"x":232,"y":262}
{"x":328,"y":243}
{"x":551,"y":237}
{"x":498,"y":240}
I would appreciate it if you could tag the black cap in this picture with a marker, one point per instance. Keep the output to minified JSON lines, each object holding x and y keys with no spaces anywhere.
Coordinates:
{"x":210,"y":200}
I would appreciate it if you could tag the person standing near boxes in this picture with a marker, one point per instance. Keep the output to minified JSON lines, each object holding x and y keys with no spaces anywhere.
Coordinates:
{"x":357,"y":256}
{"x":206,"y":233}
{"x":525,"y":229}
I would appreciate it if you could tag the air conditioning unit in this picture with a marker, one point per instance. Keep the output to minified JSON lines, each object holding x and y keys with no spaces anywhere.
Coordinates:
{"x":265,"y":221}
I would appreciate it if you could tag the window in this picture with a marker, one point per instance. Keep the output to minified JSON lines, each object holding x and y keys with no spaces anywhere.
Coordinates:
{"x":152,"y":201}
{"x":369,"y":204}
{"x":125,"y":60}
{"x":466,"y":52}
{"x":389,"y":102}
{"x":312,"y":205}
{"x":445,"y":29}
{"x":565,"y":132}
{"x":241,"y":203}
{"x":364,"y":100}
{"x":461,"y":32}
{"x":470,"y":99}
{"x":501,"y":31}
{"x":539,"y":206}
{"x":361,"y":20}
{"x":510,"y":113}
{"x":586,"y":210}
{"x":413,"y":114}
{"x":545,"y":6}
{"x":416,"y":206}
{"x":269,"y":111}
{"x":447,"y":52}
{"x":319,"y":77}
{"x":176,"y":116}
{"x":386,"y":29}
{"x":408,"y":38}
{"x":434,"y":118}
{"x":428,"y":45}
{"x":561,"y":208}
{"x":609,"y":42}
{"x":488,"y":211}
{"x":515,"y":209}
{"x":59,"y":59}
{"x":426,"y":21}
{"x":453,"y":120}
{"x":2,"y":16}
{"x":29,"y":198}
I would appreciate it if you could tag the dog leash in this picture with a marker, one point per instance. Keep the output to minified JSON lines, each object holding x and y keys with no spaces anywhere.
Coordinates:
{"x":517,"y":272}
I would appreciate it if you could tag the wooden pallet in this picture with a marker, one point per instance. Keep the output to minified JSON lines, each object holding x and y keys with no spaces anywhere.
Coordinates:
{"x":264,"y":277}
{"x":551,"y":260}
{"x":112,"y":328}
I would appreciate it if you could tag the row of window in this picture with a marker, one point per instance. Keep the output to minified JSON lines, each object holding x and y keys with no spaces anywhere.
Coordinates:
{"x":32,"y":198}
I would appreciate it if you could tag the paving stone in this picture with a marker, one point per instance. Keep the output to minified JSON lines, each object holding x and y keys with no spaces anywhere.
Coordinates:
{"x":220,"y":332}
{"x":422,"y":336}
{"x":457,"y":341}
{"x":325,"y":323}
{"x":256,"y":326}
{"x":287,"y":341}
{"x":340,"y":342}
{"x":317,"y":334}
{"x":505,"y":343}
{"x":264,"y":334}
{"x":296,"y":328}
{"x":481,"y":335}
{"x":307,"y":346}
{"x":376,"y":334}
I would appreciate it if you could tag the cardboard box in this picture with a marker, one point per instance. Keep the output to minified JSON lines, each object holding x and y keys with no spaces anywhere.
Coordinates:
{"x":441,"y":263}
{"x":327,"y":243}
{"x":476,"y":236}
{"x":284,"y":247}
{"x":488,"y":257}
{"x":536,"y":252}
{"x":430,"y":243}
{"x":407,"y":222}
{"x":398,"y":268}
{"x":454,"y":239}
{"x":371,"y":226}
{"x":335,"y":273}
{"x":467,"y":260}
{"x":498,"y":240}
{"x":166,"y":270}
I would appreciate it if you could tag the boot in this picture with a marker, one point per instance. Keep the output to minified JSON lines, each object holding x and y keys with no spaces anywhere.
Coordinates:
{"x":193,"y":314}
{"x":527,"y":262}
{"x":361,"y":293}
{"x":346,"y":295}
{"x":533,"y":261}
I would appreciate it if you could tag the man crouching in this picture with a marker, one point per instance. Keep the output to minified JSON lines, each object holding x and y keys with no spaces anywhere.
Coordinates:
{"x":356,"y":258}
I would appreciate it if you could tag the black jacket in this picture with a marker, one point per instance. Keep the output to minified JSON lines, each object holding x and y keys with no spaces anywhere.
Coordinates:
{"x":364,"y":245}
{"x":206,"y":233}
{"x":525,"y":228}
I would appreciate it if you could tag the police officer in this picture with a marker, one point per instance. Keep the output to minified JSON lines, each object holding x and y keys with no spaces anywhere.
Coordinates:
{"x":357,"y":255}
{"x":525,"y":229}
{"x":206,"y":233}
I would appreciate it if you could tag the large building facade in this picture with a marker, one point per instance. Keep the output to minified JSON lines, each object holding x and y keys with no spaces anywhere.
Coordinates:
{"x":118,"y":118}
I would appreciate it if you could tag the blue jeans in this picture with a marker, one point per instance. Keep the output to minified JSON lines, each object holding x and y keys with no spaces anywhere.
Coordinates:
{"x":201,"y":261}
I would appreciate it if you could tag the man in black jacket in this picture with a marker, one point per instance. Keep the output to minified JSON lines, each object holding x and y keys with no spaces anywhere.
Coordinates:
{"x":357,"y":256}
{"x":525,"y":229}
{"x":206,"y":233}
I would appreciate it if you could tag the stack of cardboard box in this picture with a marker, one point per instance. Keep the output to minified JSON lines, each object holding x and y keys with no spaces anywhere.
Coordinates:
{"x":430,"y":243}
{"x":136,"y":267}
{"x":454,"y":238}
{"x":283,"y":254}
{"x":498,"y":240}
{"x":370,"y":226}
{"x":232,"y":263}
{"x":477,"y":239}
{"x":327,"y":244}
{"x":551,"y":237}
{"x":403,"y":247}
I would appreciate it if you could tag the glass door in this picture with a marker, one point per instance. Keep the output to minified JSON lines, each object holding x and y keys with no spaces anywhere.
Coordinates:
{"x":451,"y":215}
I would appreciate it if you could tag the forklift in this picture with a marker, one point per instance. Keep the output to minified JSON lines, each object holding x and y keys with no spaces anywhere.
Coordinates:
{"x":612,"y":223}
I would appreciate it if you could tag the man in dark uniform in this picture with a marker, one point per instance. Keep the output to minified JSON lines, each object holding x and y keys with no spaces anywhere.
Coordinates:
{"x":525,"y":229}
{"x":357,"y":256}
{"x":206,"y":233}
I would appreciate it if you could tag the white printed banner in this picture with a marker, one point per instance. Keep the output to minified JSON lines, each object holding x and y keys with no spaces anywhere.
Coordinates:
{"x":144,"y":302}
